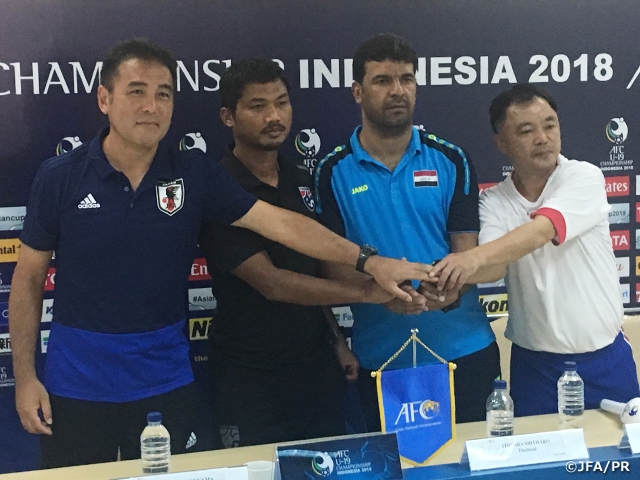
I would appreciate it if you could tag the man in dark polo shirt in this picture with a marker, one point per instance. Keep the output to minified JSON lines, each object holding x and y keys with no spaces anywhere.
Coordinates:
{"x":275,"y":372}
{"x":123,"y":214}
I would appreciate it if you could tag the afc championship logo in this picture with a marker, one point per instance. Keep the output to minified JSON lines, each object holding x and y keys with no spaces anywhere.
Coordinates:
{"x":193,"y":140}
{"x":308,"y":145}
{"x":322,"y":464}
{"x":67,"y":144}
{"x":617,"y":132}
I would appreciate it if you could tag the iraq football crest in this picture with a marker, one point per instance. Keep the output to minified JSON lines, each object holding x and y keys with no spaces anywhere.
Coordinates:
{"x":307,"y":197}
{"x":170,"y":196}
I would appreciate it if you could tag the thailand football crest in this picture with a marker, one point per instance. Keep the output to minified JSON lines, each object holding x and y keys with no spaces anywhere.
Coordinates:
{"x":307,"y":197}
{"x":170,"y":196}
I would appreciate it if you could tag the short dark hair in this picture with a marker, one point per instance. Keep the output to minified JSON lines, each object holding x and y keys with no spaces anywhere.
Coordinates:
{"x":138,"y":48}
{"x":517,"y":95}
{"x":245,"y":72}
{"x":384,"y":46}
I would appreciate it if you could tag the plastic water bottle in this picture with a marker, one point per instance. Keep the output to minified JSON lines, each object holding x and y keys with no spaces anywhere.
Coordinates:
{"x":570,"y":398}
{"x":155,"y":445}
{"x":499,"y":411}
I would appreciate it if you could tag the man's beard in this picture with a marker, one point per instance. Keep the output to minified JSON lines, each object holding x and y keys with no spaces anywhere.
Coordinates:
{"x":389,"y":127}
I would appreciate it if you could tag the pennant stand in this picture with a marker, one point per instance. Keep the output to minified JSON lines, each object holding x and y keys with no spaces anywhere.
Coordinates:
{"x":418,"y":404}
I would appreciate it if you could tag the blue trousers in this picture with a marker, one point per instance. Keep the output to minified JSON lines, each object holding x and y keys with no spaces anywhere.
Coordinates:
{"x":607,"y":373}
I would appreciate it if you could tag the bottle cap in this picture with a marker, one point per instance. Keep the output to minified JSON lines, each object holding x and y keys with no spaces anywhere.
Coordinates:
{"x":570,"y":366}
{"x":154,"y":417}
{"x":500,"y":384}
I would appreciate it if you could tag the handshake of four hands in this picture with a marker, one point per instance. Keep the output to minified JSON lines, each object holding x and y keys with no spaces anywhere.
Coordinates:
{"x":439,"y":287}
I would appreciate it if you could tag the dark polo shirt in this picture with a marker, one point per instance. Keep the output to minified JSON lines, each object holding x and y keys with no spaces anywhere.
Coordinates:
{"x":122,"y":260}
{"x":248,"y":328}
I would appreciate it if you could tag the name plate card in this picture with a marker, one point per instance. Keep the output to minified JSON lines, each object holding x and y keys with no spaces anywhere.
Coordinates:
{"x":227,"y":473}
{"x":363,"y":457}
{"x":630,"y":438}
{"x":531,"y":449}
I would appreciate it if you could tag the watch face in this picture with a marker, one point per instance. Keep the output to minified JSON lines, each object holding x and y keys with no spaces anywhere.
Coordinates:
{"x":365,"y":252}
{"x":368,"y":250}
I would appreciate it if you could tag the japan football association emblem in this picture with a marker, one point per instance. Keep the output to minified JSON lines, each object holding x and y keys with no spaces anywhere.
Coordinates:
{"x":170,"y":196}
{"x":307,"y":197}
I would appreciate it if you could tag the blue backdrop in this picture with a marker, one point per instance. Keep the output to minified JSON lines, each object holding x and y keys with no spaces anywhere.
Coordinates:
{"x":582,"y":51}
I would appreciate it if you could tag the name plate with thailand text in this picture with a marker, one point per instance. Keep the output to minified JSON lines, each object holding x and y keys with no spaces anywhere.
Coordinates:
{"x":630,"y":438}
{"x":530,"y":449}
{"x":227,"y":473}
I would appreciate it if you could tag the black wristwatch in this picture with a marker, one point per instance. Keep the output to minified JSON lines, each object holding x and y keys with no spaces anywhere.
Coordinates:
{"x":365,"y":252}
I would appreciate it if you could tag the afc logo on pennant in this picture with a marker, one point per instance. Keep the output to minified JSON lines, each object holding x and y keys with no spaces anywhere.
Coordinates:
{"x":170,"y":196}
{"x":307,"y":197}
{"x":427,"y":409}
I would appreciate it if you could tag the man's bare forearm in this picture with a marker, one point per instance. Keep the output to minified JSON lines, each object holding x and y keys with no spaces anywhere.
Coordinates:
{"x":281,"y":285}
{"x":516,"y":244}
{"x":292,"y":287}
{"x":488,"y":262}
{"x":299,"y":233}
{"x":487,"y":275}
{"x":312,"y":239}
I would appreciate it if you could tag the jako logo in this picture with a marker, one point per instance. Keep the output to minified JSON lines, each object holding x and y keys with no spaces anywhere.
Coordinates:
{"x":322,"y":464}
{"x":427,"y":409}
{"x":67,"y":144}
{"x":617,"y":130}
{"x":193,"y":140}
{"x":616,"y":186}
{"x":360,"y":189}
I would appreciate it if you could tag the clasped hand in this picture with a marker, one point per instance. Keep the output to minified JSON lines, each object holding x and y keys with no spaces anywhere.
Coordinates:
{"x":425,"y":297}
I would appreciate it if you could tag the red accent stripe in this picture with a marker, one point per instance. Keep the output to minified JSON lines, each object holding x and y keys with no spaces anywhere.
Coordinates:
{"x":557,"y":219}
{"x":419,"y":173}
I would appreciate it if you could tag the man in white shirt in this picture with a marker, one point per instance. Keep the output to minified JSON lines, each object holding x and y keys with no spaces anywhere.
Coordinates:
{"x":545,"y":227}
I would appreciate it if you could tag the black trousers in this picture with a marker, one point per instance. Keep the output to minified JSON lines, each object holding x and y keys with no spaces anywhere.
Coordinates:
{"x":472,"y":381}
{"x":255,"y":405}
{"x":85,"y":432}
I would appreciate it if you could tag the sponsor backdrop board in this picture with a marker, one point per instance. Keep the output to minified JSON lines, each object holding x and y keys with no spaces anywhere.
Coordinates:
{"x":580,"y":50}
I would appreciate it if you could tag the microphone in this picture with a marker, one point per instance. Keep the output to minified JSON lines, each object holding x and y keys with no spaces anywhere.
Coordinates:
{"x":629,"y":412}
